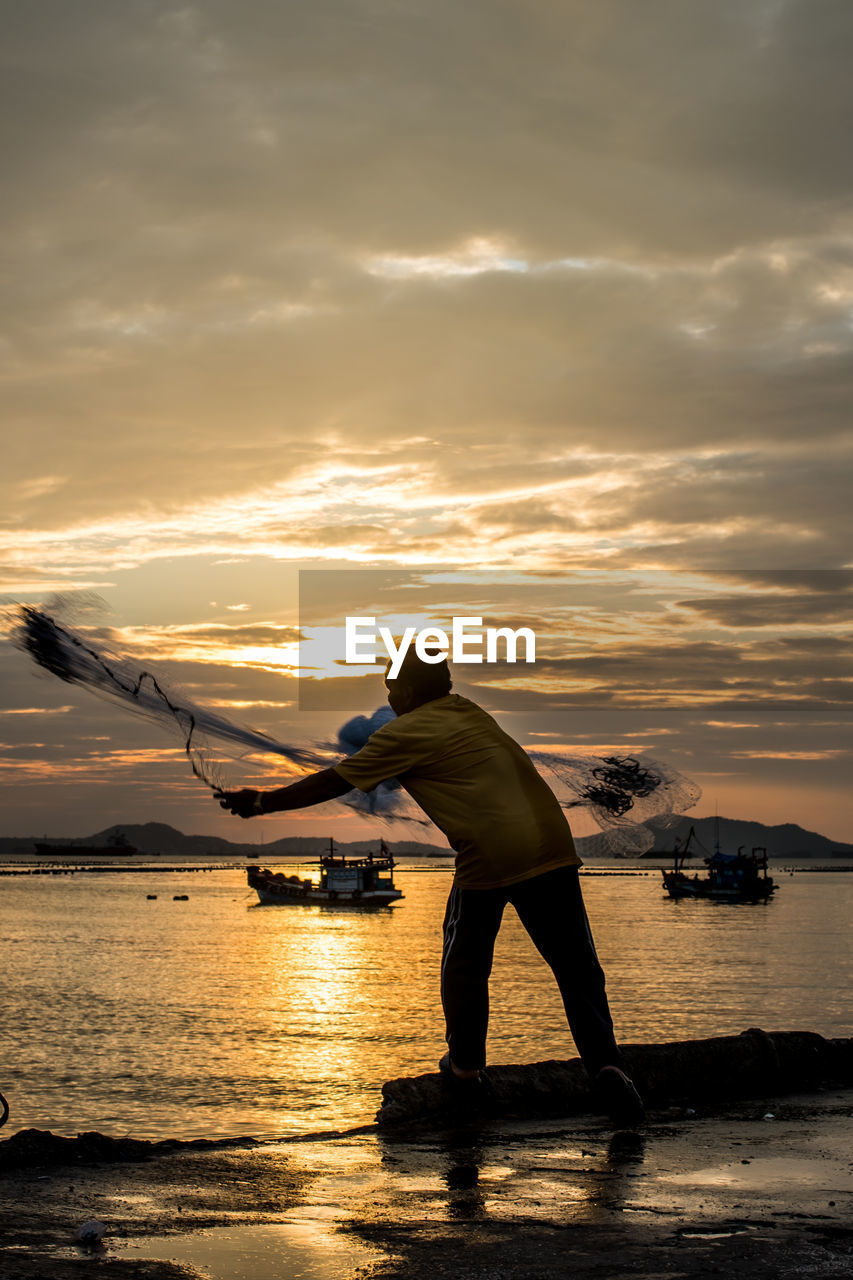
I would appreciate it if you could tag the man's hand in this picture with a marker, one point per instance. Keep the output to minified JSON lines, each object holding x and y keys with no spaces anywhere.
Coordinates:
{"x":244,"y":804}
{"x":318,"y":787}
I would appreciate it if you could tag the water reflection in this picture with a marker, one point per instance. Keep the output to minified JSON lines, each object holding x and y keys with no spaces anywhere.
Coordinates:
{"x":264,"y":1252}
{"x":473,"y":1174}
{"x":461,"y":1175}
{"x":208,"y":1018}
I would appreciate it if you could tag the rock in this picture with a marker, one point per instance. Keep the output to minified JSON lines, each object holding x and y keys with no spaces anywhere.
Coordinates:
{"x":31,"y":1148}
{"x":91,"y":1232}
{"x":753,"y":1064}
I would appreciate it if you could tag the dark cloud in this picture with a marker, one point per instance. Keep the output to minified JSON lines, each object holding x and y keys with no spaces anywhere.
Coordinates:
{"x":362,"y":116}
{"x":810,"y":609}
{"x":792,"y":580}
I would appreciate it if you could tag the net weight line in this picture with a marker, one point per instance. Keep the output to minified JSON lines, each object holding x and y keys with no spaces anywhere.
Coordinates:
{"x":42,"y":637}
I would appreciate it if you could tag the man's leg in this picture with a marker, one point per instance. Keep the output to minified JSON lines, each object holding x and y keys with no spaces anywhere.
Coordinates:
{"x":552,"y":911}
{"x":471,"y":924}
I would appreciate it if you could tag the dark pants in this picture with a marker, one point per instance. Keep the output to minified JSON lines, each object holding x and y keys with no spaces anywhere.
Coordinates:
{"x":551,"y":909}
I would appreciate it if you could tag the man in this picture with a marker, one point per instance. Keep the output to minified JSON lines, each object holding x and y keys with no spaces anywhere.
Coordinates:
{"x":513,"y":844}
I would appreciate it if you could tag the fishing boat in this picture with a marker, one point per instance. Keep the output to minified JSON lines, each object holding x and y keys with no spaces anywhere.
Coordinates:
{"x":731,"y":877}
{"x":344,"y":882}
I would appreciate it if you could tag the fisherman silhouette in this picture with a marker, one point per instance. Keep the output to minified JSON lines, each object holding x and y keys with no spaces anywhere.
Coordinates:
{"x":513,"y":845}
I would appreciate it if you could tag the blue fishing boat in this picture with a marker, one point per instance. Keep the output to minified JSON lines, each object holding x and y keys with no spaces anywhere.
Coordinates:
{"x":731,"y":877}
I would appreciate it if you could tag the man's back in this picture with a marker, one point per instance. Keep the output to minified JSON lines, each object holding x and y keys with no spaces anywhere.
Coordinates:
{"x":476,"y":784}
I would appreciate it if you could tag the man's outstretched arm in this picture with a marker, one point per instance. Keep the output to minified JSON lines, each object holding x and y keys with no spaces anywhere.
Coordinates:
{"x":317,"y":787}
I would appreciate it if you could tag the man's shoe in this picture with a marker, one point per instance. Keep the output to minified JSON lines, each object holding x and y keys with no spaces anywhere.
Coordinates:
{"x":470,"y":1085}
{"x":619,"y":1098}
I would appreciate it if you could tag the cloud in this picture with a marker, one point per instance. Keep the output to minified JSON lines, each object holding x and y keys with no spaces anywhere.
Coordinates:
{"x":525,"y":285}
{"x":788,"y":755}
{"x":35,"y":711}
{"x":283,"y":233}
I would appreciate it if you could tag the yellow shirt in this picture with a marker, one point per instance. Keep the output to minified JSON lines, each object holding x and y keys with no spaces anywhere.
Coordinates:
{"x":476,"y":784}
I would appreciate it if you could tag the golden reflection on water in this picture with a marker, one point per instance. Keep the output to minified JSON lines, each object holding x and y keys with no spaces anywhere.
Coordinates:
{"x":315,"y":986}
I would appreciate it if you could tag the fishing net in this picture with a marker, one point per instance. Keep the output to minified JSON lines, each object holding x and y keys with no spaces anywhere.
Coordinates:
{"x":119,"y":678}
{"x":625,"y":795}
{"x":628,"y":797}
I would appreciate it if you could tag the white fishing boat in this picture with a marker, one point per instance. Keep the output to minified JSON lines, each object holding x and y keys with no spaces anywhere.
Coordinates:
{"x":344,"y":882}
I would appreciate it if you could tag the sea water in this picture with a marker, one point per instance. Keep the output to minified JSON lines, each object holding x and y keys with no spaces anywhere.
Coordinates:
{"x":216,"y":1016}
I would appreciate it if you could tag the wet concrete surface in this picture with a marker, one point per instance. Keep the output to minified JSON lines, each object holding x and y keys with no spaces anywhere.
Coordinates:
{"x":733,"y":1193}
{"x":169,"y":1195}
{"x":736,"y":1194}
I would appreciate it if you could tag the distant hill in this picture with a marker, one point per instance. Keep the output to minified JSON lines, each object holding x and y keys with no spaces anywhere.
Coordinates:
{"x":784,"y":841}
{"x":159,"y":839}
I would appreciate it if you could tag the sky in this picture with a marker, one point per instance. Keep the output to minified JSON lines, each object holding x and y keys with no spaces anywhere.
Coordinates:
{"x":563,"y":291}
